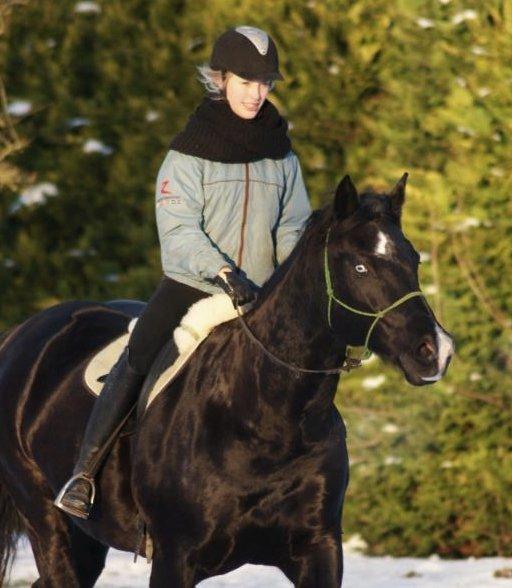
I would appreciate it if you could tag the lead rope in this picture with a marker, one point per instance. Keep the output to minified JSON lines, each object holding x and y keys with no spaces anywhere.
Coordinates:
{"x":354,"y":354}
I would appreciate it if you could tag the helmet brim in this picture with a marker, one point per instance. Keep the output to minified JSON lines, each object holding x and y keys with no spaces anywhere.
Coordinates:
{"x":271,"y":76}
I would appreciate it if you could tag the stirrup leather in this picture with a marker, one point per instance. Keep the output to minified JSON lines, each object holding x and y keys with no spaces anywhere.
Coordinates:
{"x":70,"y":510}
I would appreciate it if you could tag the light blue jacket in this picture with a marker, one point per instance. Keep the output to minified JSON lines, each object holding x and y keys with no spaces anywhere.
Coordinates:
{"x":211,"y":214}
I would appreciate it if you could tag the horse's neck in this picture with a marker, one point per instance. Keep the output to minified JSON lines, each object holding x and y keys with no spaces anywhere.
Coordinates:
{"x":292,"y":324}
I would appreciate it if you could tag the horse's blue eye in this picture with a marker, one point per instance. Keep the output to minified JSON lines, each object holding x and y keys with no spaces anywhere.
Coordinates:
{"x":361,"y":269}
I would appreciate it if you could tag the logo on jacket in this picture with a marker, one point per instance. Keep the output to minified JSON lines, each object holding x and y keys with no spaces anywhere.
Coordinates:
{"x":164,"y":188}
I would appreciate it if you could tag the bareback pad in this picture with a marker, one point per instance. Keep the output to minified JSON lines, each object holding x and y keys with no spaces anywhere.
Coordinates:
{"x":194,"y":327}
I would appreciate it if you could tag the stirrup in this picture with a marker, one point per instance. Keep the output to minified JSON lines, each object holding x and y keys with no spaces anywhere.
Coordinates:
{"x":69,"y":509}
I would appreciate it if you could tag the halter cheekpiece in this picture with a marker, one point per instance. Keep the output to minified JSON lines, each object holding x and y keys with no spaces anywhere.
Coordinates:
{"x":354,"y":354}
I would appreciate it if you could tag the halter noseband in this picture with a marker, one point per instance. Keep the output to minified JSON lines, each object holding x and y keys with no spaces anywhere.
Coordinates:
{"x":355,"y":354}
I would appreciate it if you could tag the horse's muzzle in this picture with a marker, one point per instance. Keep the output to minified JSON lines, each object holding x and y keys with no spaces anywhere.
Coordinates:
{"x":429,"y":359}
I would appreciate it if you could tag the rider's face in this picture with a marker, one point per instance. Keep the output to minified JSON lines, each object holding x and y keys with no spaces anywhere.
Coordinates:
{"x":245,"y":96}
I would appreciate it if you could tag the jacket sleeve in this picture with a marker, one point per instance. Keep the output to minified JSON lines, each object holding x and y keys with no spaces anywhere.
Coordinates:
{"x":295,"y":210}
{"x":185,"y":247}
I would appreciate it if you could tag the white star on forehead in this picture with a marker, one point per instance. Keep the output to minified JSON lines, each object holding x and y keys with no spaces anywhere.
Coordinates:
{"x":256,"y":36}
{"x":382,"y":245}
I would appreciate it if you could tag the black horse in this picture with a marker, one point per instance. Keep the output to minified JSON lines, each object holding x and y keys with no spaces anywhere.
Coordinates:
{"x":239,"y":460}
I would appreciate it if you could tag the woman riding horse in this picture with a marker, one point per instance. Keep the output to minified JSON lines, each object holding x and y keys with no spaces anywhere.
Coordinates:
{"x":230,"y":206}
{"x":236,"y":461}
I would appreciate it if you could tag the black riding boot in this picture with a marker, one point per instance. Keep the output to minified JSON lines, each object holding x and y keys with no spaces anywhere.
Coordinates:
{"x":119,"y":394}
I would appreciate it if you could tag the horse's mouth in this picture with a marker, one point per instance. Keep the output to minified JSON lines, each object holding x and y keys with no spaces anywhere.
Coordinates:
{"x":416,"y":375}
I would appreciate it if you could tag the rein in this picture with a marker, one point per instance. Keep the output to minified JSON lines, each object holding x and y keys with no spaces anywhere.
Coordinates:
{"x":353,"y":354}
{"x":280,"y":362}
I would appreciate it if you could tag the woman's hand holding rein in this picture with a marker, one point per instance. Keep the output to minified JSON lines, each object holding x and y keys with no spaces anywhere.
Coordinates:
{"x":237,"y":287}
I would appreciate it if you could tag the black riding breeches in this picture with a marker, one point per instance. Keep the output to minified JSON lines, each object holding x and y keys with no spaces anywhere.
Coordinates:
{"x":163,"y":313}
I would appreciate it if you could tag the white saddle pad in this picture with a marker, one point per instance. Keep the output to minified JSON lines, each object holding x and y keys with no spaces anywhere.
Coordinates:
{"x":194,"y":327}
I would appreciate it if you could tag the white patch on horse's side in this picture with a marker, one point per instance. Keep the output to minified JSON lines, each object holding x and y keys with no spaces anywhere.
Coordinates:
{"x":445,"y":349}
{"x":201,"y":318}
{"x":382,"y":244}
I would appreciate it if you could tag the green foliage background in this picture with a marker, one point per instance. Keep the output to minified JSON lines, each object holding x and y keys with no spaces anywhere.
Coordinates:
{"x":372,"y":88}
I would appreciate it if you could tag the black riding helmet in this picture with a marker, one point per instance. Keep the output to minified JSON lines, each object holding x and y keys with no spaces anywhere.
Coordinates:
{"x":248,"y":52}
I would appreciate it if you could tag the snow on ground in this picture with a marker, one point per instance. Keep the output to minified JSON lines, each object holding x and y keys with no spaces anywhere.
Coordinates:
{"x":430,"y":289}
{"x":87,"y":8}
{"x":360,"y":572}
{"x":464,"y":15}
{"x":96,"y":146}
{"x":36,"y":194}
{"x":425,"y":23}
{"x":372,"y":382}
{"x":78,"y":122}
{"x":9,"y":263}
{"x":19,"y":108}
{"x":152,"y":115}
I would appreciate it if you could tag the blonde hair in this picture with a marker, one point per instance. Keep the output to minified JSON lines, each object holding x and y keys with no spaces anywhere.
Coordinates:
{"x":214,"y":81}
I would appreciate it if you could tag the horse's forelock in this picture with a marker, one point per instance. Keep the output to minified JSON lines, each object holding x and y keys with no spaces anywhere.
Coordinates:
{"x":374,"y":205}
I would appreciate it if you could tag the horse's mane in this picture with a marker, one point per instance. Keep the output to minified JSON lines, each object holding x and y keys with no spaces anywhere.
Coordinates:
{"x":372,"y":205}
{"x":314,"y":231}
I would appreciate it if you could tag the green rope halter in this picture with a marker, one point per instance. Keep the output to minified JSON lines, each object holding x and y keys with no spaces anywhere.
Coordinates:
{"x":355,"y":354}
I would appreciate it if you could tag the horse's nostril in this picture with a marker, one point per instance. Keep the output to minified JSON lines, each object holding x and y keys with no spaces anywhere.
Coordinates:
{"x":427,"y":350}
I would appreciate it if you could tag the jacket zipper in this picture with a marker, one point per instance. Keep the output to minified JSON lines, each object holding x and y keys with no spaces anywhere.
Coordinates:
{"x":244,"y":217}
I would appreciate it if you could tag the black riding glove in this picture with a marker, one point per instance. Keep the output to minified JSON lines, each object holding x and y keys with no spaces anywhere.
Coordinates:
{"x":238,"y":288}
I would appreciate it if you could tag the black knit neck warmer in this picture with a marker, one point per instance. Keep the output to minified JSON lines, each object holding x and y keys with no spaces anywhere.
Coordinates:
{"x":216,"y":133}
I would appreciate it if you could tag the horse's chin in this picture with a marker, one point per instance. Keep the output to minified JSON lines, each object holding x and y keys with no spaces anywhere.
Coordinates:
{"x":407,"y":367}
{"x":413,"y":374}
{"x":414,"y":379}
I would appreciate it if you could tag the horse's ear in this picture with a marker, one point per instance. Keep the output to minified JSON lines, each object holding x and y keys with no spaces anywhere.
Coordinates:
{"x":346,"y":199}
{"x":397,"y":196}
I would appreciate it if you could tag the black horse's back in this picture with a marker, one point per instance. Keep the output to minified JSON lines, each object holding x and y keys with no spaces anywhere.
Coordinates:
{"x":45,"y":405}
{"x":42,"y":393}
{"x":131,"y":308}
